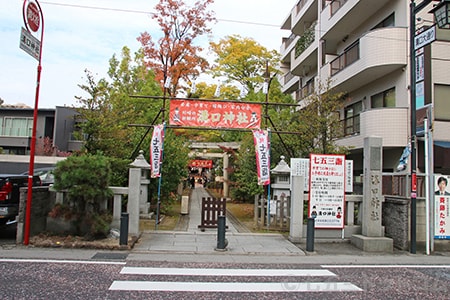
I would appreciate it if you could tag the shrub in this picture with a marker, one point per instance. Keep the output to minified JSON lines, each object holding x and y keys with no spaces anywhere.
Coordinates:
{"x":97,"y":225}
{"x":86,"y":179}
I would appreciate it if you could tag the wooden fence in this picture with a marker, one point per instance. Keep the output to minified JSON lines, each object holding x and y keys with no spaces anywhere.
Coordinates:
{"x":212,"y":208}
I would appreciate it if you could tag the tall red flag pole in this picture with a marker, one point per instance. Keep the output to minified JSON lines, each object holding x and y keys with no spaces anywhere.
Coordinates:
{"x":33,"y":18}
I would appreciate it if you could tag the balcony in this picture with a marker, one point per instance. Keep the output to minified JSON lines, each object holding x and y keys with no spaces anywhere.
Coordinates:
{"x":289,"y":83}
{"x":307,"y":90}
{"x":304,"y":56}
{"x":391,"y":124}
{"x":287,"y":46}
{"x":380,"y":52}
{"x":303,"y":15}
{"x":341,"y":17}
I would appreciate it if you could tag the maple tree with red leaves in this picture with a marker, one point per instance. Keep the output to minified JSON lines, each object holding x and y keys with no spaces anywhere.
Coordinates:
{"x":174,"y":56}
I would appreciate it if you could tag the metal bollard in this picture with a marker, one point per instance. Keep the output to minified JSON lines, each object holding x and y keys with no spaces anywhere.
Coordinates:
{"x":310,"y":235}
{"x":221,"y":241}
{"x":124,"y":229}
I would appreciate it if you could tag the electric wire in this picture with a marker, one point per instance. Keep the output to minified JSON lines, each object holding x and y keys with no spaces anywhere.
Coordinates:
{"x":147,"y":13}
{"x":122,"y":10}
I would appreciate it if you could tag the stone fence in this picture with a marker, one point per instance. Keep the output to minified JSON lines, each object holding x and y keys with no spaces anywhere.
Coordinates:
{"x":44,"y":199}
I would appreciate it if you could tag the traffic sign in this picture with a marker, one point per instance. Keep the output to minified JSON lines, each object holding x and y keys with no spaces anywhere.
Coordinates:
{"x":29,"y":43}
{"x":426,"y":37}
{"x":32,"y":17}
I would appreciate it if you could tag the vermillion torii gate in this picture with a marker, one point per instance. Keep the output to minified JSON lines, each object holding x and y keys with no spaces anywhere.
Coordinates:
{"x":224,"y":156}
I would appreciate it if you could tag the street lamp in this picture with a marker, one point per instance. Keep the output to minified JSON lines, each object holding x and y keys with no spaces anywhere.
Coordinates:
{"x":442,"y":14}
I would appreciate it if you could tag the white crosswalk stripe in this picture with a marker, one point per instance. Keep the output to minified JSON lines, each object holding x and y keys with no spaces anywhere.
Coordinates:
{"x":193,"y":286}
{"x":226,"y":272}
{"x":166,"y":286}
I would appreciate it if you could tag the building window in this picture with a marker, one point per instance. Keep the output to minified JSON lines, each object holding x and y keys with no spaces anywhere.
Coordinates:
{"x":441,"y":107}
{"x":388,"y":22}
{"x":383,"y":99}
{"x":351,"y":122}
{"x":16,"y":126}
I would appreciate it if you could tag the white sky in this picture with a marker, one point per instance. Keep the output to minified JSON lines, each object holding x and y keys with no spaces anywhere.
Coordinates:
{"x":77,"y":38}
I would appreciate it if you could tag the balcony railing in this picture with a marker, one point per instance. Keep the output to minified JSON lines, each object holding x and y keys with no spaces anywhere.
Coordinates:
{"x":287,"y":77}
{"x":288,"y":41}
{"x":300,"y":5}
{"x":298,"y":95}
{"x":336,"y":5}
{"x":345,"y":59}
{"x":308,"y":89}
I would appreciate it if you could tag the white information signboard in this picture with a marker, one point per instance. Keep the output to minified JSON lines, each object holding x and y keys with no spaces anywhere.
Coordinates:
{"x":424,"y":38}
{"x":300,"y":167}
{"x":29,"y":43}
{"x":327,"y":190}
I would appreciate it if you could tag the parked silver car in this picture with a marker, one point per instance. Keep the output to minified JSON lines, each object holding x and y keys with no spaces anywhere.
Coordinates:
{"x":45,"y":174}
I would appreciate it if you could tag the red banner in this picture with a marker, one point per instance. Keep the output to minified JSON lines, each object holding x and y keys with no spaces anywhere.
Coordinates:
{"x":201,"y":163}
{"x":215,"y":114}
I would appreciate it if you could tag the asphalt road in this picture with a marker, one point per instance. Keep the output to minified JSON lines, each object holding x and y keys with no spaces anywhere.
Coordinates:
{"x":131,"y":279}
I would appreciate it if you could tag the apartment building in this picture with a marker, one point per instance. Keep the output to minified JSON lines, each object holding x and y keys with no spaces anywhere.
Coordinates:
{"x":362,"y":47}
{"x":16,"y":124}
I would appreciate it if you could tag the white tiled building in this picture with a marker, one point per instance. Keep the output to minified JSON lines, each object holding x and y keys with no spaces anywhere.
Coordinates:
{"x":363,"y":47}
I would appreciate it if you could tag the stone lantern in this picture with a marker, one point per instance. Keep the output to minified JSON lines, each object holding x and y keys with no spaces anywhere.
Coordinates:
{"x":141,"y":163}
{"x":281,"y":186}
{"x":282,"y":179}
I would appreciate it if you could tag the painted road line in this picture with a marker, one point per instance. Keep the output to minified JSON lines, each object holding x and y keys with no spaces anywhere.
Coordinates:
{"x":61,"y":261}
{"x":239,"y":287}
{"x":386,"y":266}
{"x":226,"y":272}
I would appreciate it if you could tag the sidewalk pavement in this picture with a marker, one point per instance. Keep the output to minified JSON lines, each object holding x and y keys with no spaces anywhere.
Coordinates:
{"x":193,"y":245}
{"x":194,"y":240}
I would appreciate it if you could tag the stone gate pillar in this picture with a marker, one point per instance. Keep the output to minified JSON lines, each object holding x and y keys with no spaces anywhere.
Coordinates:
{"x":137,"y":191}
{"x":133,"y":200}
{"x":144,"y":166}
{"x":372,"y":238}
{"x":296,"y":220}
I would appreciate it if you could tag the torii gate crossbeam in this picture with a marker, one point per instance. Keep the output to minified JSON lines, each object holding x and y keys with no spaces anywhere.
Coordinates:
{"x":224,"y":156}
